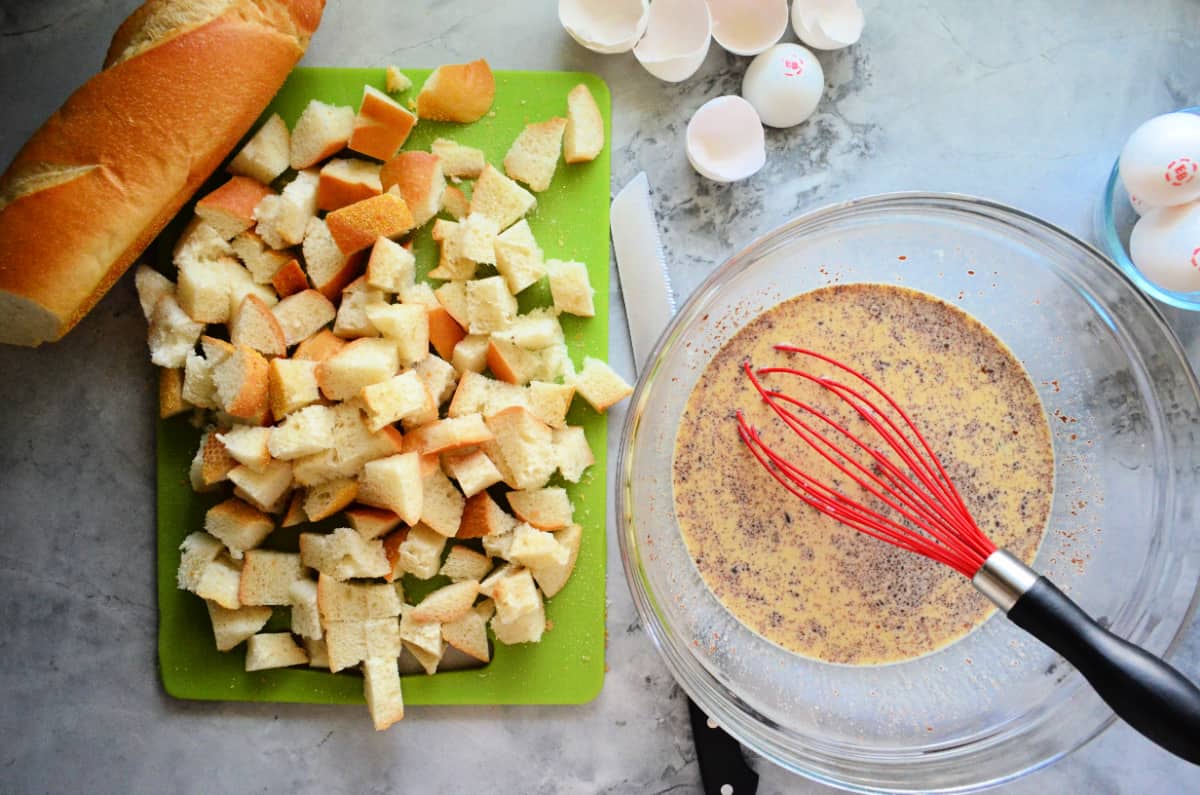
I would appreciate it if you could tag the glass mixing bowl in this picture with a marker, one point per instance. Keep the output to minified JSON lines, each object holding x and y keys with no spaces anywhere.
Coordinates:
{"x":1122,"y":538}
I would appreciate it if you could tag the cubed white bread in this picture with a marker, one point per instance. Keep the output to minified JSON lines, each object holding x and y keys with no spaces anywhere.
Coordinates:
{"x":151,"y":285}
{"x":219,"y":582}
{"x":439,"y":378}
{"x":499,"y":198}
{"x":282,"y":220}
{"x":483,"y":516}
{"x":490,"y":306}
{"x":322,"y":130}
{"x":528,"y":628}
{"x":255,"y":325}
{"x":172,"y":334}
{"x":350,"y":642}
{"x":266,"y":490}
{"x":170,"y":392}
{"x":423,"y":635}
{"x":447,"y":603}
{"x":329,"y":268}
{"x":394,"y":483}
{"x":419,"y":293}
{"x":551,"y":575}
{"x":396,"y":81}
{"x":420,"y":552}
{"x":318,"y":654}
{"x":444,"y":334}
{"x":319,"y":346}
{"x":468,"y":634}
{"x":356,"y":445}
{"x":600,"y":385}
{"x":457,"y":92}
{"x":546,"y":509}
{"x":343,"y":554}
{"x":204,"y":288}
{"x":229,"y":209}
{"x":391,"y":267}
{"x":419,"y":178}
{"x":237,"y":525}
{"x":463,"y":563}
{"x":486,"y":608}
{"x":406,"y":326}
{"x":248,"y":445}
{"x":395,"y":399}
{"x":211,"y":464}
{"x":452,"y":433}
{"x":572,"y":452}
{"x":533,"y":156}
{"x":381,"y":126}
{"x":199,"y":242}
{"x":470,"y":354}
{"x":452,"y":265}
{"x":487,"y":586}
{"x":273,"y":650}
{"x":516,"y":595}
{"x":326,"y":499}
{"x":535,"y":330}
{"x":477,"y":239}
{"x":196,"y":552}
{"x":511,"y":364}
{"x":381,"y":689}
{"x":550,"y":402}
{"x":267,"y":577}
{"x":354,"y":601}
{"x":265,"y":156}
{"x":302,"y":315}
{"x":583,"y":138}
{"x":303,"y":432}
{"x":524,"y":448}
{"x":198,"y":387}
{"x":534,"y":548}
{"x":371,"y":523}
{"x":453,"y":298}
{"x":458,"y":160}
{"x":497,"y":545}
{"x":294,"y":514}
{"x":479,"y":394}
{"x":473,"y":471}
{"x":355,"y":227}
{"x":518,"y":257}
{"x":361,"y":363}
{"x":441,"y":504}
{"x":358,"y":298}
{"x":455,"y":203}
{"x":290,"y":279}
{"x":262,"y":261}
{"x":570,"y":288}
{"x":231,"y":627}
{"x":292,"y":385}
{"x":306,"y":618}
{"x":345,"y":181}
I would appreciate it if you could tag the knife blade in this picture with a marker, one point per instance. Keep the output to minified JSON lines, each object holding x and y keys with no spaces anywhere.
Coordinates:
{"x":645,"y":286}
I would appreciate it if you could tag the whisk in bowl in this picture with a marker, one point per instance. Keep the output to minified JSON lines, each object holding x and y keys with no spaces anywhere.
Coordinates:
{"x":907,"y":499}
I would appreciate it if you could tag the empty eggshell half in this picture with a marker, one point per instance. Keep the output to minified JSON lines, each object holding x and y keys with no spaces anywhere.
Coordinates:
{"x":678,"y":33}
{"x":606,"y":26}
{"x":748,"y":27}
{"x":725,"y":139}
{"x":827,"y":24}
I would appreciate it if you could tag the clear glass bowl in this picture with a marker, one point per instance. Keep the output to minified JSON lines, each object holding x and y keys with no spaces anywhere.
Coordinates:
{"x":1114,"y":221}
{"x":1123,"y":536}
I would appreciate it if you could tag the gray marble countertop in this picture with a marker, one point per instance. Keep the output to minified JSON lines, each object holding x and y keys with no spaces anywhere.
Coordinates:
{"x":1023,"y":103}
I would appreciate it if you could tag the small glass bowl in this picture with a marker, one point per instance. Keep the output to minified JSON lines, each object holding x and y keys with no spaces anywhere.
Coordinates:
{"x":1115,"y":218}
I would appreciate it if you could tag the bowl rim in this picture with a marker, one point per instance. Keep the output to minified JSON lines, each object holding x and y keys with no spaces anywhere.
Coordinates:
{"x":645,"y":602}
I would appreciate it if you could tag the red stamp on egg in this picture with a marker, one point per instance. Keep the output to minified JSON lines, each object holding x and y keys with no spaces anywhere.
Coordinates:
{"x":1196,"y":258}
{"x":1181,"y":171}
{"x":793,"y":67}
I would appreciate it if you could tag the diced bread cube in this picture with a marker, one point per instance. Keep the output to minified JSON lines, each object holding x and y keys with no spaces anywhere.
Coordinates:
{"x":361,"y":363}
{"x":550,"y":402}
{"x":381,"y":126}
{"x":546,"y":509}
{"x":452,"y":265}
{"x":283,"y":219}
{"x":381,"y":688}
{"x":345,"y":181}
{"x":444,"y":331}
{"x":391,"y":266}
{"x":419,"y":178}
{"x":198,"y":387}
{"x":477,"y":239}
{"x":211,"y":464}
{"x":262,"y":261}
{"x":441,"y":504}
{"x":204,"y":288}
{"x":394,"y":483}
{"x":219,"y":582}
{"x":457,"y":92}
{"x":396,"y":399}
{"x":452,"y":433}
{"x":448,"y":603}
{"x":151,"y":285}
{"x":322,"y":130}
{"x":482,"y":516}
{"x":518,"y":257}
{"x":464,"y":563}
{"x":326,"y":499}
{"x":490,"y":306}
{"x":267,"y":577}
{"x":529,"y":628}
{"x":302,"y":315}
{"x":294,"y":514}
{"x":500,"y":199}
{"x":173,"y":333}
{"x":353,"y":313}
{"x":420,"y":552}
{"x":570,"y":288}
{"x":265,"y":156}
{"x":455,"y":202}
{"x":438,"y":376}
{"x":329,"y":268}
{"x":538,"y":329}
{"x":255,"y":325}
{"x":487,"y":586}
{"x":556,"y":363}
{"x":468,"y":634}
{"x":273,"y":650}
{"x":572,"y":453}
{"x":248,"y":445}
{"x":583,"y":138}
{"x":231,"y":627}
{"x":356,"y":226}
{"x":352,"y":601}
{"x":516,"y":595}
{"x":453,"y":298}
{"x":237,"y":525}
{"x":230,"y":208}
{"x":458,"y":160}
{"x":199,"y":242}
{"x":419,"y":293}
{"x":474,"y":471}
{"x":536,"y":548}
{"x":371,"y":523}
{"x":552,"y":575}
{"x":351,"y":642}
{"x":319,"y":346}
{"x":241,"y":382}
{"x":511,"y":364}
{"x":292,"y":385}
{"x":406,"y":326}
{"x":356,"y":445}
{"x":470,"y":354}
{"x":170,"y":392}
{"x":397,"y":81}
{"x":533,"y":156}
{"x":303,"y":432}
{"x":318,"y":654}
{"x":343,"y":554}
{"x":289,"y":279}
{"x":306,"y":618}
{"x":524,"y":448}
{"x":266,"y":489}
{"x":196,"y":552}
{"x":600,"y":385}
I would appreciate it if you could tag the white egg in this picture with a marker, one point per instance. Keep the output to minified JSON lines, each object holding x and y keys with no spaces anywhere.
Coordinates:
{"x":1160,"y":163}
{"x":784,"y":85}
{"x":1138,"y":205}
{"x":1165,"y":246}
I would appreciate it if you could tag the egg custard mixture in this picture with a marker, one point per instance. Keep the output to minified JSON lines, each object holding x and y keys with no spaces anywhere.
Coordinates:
{"x":800,"y":579}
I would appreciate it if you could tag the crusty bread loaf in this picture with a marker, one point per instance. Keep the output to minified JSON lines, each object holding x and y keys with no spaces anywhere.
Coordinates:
{"x":131,"y":145}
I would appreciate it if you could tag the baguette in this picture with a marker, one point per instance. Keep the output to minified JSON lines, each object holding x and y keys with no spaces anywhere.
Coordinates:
{"x":171,"y":67}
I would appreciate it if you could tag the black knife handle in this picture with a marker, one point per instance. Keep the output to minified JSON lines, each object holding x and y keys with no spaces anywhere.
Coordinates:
{"x":720,"y":758}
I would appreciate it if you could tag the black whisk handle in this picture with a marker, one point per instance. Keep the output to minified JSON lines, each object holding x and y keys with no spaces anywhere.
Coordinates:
{"x":1146,"y":692}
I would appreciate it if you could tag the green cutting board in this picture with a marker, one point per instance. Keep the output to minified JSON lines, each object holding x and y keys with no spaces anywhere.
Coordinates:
{"x":570,"y":222}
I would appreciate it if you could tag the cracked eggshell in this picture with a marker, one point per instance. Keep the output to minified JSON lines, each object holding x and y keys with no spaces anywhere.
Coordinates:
{"x":677,"y":38}
{"x":748,"y":27}
{"x":827,"y":24}
{"x":784,"y":84}
{"x":606,"y":26}
{"x":725,"y":139}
